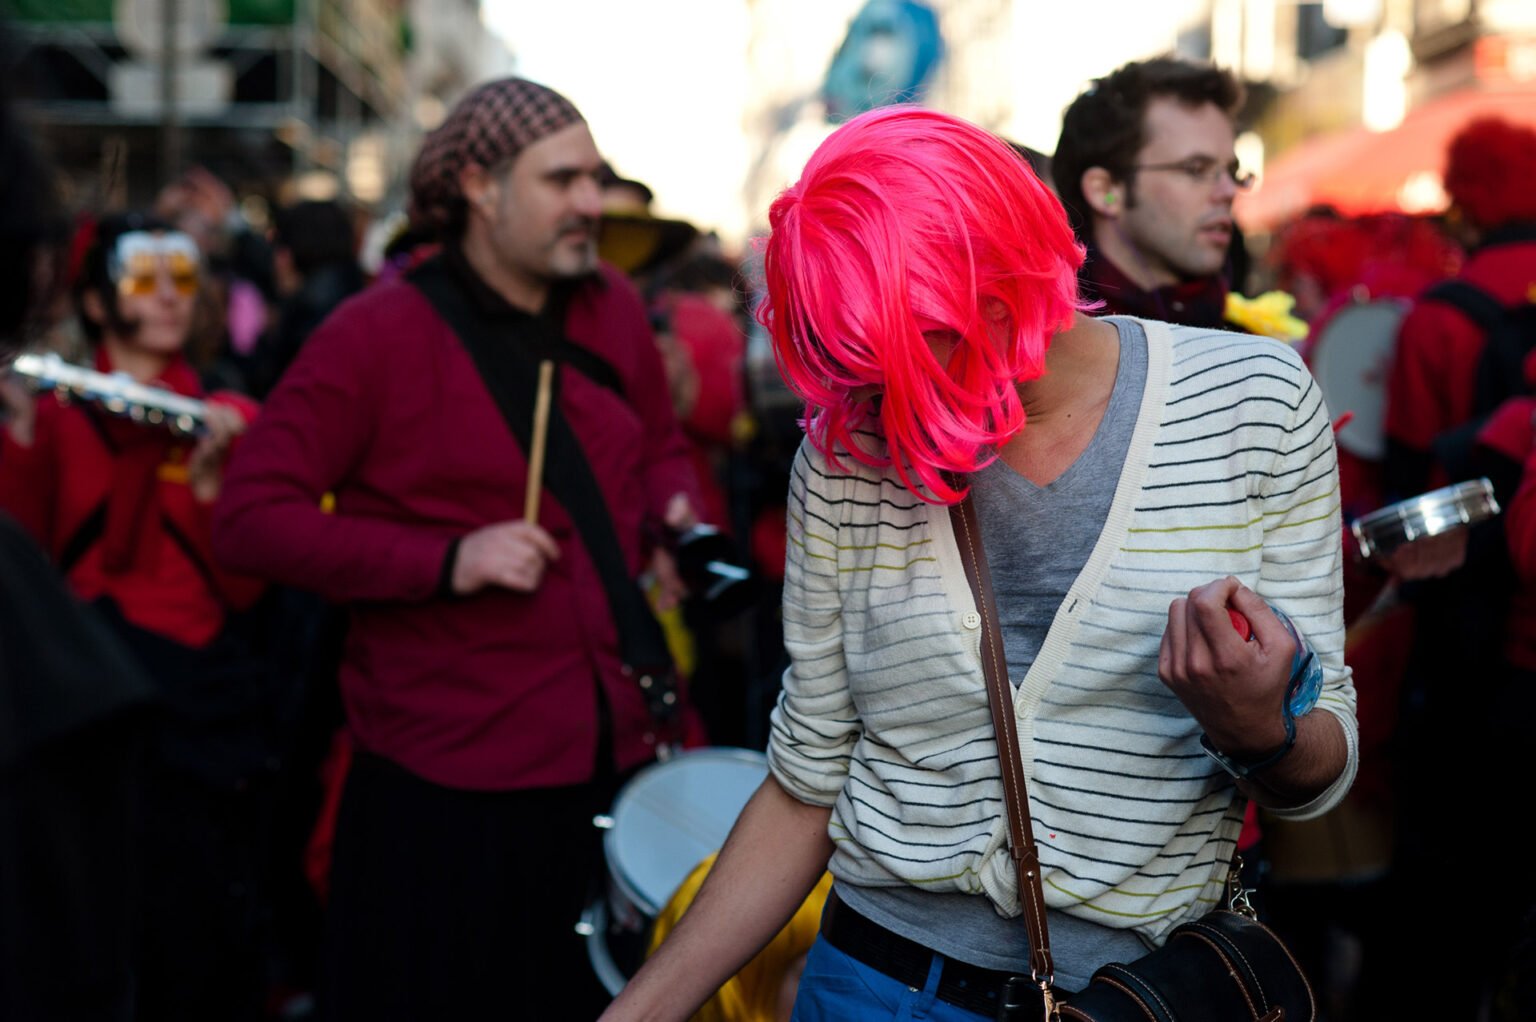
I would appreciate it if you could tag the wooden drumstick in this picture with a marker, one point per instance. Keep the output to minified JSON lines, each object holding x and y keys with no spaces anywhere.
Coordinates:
{"x":540,"y":437}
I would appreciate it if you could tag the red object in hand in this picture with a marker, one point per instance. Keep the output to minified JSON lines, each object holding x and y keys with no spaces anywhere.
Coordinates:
{"x":1241,"y":624}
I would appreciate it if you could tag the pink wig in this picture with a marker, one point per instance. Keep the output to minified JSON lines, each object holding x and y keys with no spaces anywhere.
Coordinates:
{"x":908,"y":221}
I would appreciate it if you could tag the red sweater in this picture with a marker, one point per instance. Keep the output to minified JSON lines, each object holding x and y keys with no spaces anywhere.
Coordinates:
{"x":89,"y":475}
{"x":384,"y":408}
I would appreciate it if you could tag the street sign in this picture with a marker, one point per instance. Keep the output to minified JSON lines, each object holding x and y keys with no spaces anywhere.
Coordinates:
{"x":204,"y":88}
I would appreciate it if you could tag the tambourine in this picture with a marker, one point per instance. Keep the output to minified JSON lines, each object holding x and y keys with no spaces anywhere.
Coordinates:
{"x":1429,"y":514}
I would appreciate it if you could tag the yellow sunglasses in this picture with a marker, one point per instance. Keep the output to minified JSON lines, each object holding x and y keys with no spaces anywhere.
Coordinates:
{"x":139,"y":255}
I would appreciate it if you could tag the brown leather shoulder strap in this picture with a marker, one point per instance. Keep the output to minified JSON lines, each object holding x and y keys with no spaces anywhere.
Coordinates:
{"x":994,"y":664}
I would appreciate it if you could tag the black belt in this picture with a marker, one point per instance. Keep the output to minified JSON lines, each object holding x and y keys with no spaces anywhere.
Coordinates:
{"x":960,"y":983}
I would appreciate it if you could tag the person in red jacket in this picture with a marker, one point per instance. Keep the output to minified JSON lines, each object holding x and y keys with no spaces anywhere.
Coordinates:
{"x":124,"y":510}
{"x":1507,"y":445}
{"x":1439,"y":393}
{"x":485,"y":685}
{"x":1433,"y":384}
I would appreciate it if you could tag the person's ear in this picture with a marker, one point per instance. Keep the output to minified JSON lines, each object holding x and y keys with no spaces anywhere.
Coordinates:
{"x":1102,"y":192}
{"x":479,"y":187}
{"x":94,"y":308}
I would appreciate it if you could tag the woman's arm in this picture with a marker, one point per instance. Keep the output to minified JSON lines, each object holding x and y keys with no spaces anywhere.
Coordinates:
{"x":773,"y":858}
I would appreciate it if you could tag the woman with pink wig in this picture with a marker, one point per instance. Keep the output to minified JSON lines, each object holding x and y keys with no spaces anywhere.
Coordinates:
{"x":1133,"y":482}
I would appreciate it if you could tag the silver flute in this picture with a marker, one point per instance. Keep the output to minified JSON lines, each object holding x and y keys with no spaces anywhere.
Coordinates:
{"x":115,"y":393}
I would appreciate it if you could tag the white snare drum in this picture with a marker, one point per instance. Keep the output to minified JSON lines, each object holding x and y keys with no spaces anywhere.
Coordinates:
{"x":1429,"y":514}
{"x":664,"y":822}
{"x":1350,"y":359}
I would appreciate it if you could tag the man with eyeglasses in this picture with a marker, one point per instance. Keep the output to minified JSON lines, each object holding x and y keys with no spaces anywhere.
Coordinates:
{"x":1146,"y":169}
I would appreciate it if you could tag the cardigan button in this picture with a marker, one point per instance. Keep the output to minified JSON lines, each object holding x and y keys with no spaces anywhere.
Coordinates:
{"x":971,"y":619}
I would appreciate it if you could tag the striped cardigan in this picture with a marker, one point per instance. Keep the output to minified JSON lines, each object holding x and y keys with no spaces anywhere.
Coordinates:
{"x":1231,"y":470}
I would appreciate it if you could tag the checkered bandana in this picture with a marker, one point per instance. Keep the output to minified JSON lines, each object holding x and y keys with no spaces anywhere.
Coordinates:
{"x":492,"y":124}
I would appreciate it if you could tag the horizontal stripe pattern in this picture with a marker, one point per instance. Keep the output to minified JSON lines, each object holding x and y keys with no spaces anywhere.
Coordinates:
{"x":884,"y":713}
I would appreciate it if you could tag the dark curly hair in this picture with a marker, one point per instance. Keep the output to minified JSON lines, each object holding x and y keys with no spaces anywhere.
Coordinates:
{"x":1105,"y":126}
{"x":96,"y":278}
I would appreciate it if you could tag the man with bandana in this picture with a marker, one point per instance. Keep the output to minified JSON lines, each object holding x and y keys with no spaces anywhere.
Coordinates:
{"x":1146,"y":170}
{"x":486,"y":694}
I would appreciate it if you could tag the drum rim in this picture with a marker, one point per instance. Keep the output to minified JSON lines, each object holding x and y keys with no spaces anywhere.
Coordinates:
{"x":616,"y":875}
{"x":1454,"y":494}
{"x":594,"y":931}
{"x":1474,"y":496}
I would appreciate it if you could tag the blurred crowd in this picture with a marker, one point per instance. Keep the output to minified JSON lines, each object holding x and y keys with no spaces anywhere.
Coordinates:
{"x":227,"y":824}
{"x":1425,"y":328}
{"x":227,"y":790}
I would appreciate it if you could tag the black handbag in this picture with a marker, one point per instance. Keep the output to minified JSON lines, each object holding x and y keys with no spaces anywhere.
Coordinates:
{"x":1223,"y":967}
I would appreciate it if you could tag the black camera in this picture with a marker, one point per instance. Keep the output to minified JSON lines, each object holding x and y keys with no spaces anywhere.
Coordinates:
{"x":712,"y":570}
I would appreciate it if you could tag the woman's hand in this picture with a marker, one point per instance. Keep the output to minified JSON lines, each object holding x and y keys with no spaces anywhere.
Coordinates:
{"x":20,"y":409}
{"x":205,"y":466}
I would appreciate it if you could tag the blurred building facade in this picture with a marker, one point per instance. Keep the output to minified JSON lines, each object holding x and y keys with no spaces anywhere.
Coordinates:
{"x":792,"y":44}
{"x":318,"y":97}
{"x":1010,"y":66}
{"x":1355,"y":99}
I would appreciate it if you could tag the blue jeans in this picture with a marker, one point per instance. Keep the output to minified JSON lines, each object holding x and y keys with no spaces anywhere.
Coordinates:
{"x":838,"y":988}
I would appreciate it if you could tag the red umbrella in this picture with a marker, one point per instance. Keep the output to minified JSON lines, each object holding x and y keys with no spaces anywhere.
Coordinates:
{"x":1359,"y":171}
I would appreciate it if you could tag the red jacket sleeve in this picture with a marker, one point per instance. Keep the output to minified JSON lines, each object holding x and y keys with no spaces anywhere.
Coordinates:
{"x":315,"y":426}
{"x":27,"y":476}
{"x":1508,"y":430}
{"x":1520,"y":523}
{"x":239,"y":591}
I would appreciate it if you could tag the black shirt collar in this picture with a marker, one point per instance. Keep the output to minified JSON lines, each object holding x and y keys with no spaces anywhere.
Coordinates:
{"x":1517,"y":233}
{"x":489,"y":302}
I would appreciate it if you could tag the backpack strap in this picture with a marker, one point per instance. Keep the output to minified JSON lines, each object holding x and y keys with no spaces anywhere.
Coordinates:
{"x":1509,"y":333}
{"x":1470,"y":300}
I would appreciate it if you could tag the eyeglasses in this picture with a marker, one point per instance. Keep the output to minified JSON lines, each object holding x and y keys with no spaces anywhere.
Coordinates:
{"x":1204,"y":171}
{"x":139,"y":255}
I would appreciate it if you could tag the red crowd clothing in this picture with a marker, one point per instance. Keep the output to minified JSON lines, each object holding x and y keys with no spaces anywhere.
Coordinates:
{"x":111,"y":497}
{"x":384,"y":409}
{"x":1511,"y":432}
{"x":1520,"y":524}
{"x":715,"y":348}
{"x":1434,"y":372}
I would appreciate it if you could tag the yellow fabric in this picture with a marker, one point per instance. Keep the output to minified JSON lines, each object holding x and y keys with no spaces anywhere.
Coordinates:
{"x":1268,"y":315}
{"x":679,"y":639}
{"x":752,"y":994}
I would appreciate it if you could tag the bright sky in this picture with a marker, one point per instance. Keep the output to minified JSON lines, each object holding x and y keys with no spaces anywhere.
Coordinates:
{"x":662,"y":83}
{"x":668,"y":85}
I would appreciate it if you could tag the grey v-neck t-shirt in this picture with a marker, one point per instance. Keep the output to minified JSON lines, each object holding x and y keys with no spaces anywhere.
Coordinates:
{"x":1035,"y":549}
